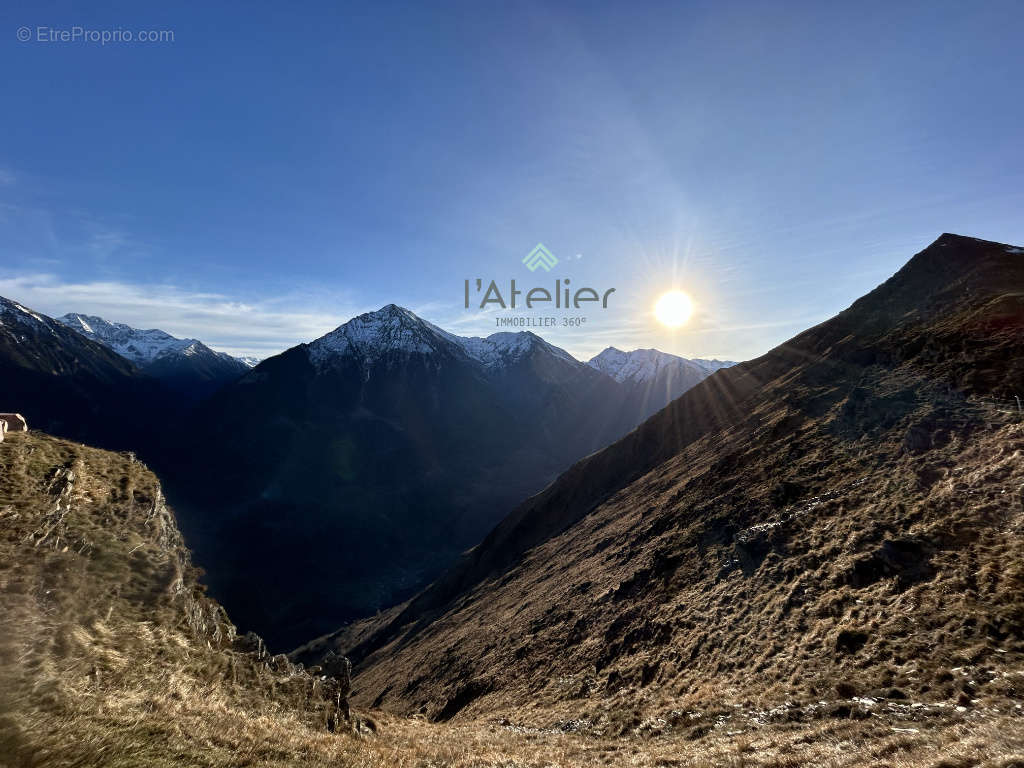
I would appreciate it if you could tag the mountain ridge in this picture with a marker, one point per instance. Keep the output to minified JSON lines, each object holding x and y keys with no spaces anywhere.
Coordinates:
{"x":72,"y":386}
{"x":186,"y":365}
{"x":642,"y":365}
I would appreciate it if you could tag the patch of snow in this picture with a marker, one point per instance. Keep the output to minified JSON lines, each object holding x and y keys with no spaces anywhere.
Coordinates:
{"x":21,"y":315}
{"x":1011,"y":249}
{"x":29,"y":312}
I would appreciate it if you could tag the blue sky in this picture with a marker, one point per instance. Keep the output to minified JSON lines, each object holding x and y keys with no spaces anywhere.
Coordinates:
{"x":277,"y":168}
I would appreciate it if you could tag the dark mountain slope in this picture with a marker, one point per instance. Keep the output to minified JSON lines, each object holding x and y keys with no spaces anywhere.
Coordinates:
{"x":71,"y":386}
{"x":389,"y":432}
{"x":845,"y":509}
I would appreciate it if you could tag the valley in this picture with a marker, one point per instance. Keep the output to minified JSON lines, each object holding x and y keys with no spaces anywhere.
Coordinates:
{"x":809,"y":558}
{"x":388,"y":430}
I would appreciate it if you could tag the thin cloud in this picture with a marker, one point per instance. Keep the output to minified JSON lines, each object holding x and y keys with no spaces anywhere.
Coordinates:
{"x":260,"y":328}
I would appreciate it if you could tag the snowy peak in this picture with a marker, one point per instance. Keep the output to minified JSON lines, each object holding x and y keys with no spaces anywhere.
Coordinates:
{"x":643,"y":365}
{"x":141,"y":347}
{"x":712,"y":365}
{"x":501,"y":349}
{"x":394,"y":329}
{"x":391,"y":329}
{"x":138,"y":346}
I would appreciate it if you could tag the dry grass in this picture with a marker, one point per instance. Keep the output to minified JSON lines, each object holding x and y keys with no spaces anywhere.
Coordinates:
{"x":105,"y":663}
{"x":111,"y":654}
{"x":636,"y":607}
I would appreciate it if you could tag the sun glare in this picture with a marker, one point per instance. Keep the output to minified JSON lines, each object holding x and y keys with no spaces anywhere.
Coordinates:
{"x":673,"y":309}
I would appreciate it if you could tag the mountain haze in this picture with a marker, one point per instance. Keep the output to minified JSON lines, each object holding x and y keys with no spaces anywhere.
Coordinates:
{"x":656,"y":378}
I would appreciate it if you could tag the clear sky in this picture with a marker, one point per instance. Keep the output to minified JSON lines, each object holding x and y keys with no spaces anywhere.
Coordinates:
{"x":279,"y":167}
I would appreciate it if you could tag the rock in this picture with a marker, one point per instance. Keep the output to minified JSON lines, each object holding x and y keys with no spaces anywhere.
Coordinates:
{"x":252,"y":643}
{"x":340,"y":669}
{"x":280,"y":664}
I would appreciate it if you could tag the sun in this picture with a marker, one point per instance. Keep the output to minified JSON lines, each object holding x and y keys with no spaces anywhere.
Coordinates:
{"x":673,"y":309}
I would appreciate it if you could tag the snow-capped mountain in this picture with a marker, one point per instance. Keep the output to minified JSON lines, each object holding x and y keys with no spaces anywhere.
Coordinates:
{"x":12,"y":314}
{"x":648,"y":364}
{"x":502,"y":349}
{"x":141,"y":347}
{"x":711,"y":365}
{"x":70,"y":385}
{"x":655,"y":378}
{"x":396,"y":330}
{"x":391,"y":329}
{"x":186,"y":365}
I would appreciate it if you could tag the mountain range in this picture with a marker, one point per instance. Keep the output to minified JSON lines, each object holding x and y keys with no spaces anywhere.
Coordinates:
{"x":187,"y":366}
{"x":70,"y":385}
{"x":387,"y":430}
{"x":831,"y":529}
{"x":396,"y":434}
{"x":809,"y":558}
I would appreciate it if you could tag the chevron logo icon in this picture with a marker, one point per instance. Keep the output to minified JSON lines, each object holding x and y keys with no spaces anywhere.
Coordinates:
{"x":540,"y":257}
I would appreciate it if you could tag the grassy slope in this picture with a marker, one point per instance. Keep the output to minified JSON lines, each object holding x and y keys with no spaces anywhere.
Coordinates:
{"x":110,"y":653}
{"x":847,"y":541}
{"x":110,"y":656}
